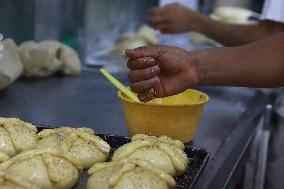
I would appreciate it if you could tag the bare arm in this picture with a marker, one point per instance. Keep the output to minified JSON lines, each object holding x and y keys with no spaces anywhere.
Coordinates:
{"x":237,"y":34}
{"x":159,"y":71}
{"x":175,"y":18}
{"x":259,"y":64}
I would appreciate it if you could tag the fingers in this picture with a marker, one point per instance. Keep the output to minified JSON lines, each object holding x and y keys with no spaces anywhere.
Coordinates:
{"x":143,"y":86}
{"x":148,"y":89}
{"x":141,"y":63}
{"x":143,"y":74}
{"x":163,"y":28}
{"x":145,"y":89}
{"x":140,"y":52}
{"x":155,"y":21}
{"x":144,"y":71}
{"x":156,"y":17}
{"x":149,"y":95}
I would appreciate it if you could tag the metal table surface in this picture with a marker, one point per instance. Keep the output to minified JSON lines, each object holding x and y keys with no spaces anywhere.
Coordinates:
{"x":89,"y":100}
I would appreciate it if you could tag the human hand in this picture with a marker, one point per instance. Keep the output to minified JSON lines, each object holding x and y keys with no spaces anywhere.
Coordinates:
{"x":174,"y":18}
{"x":160,"y":71}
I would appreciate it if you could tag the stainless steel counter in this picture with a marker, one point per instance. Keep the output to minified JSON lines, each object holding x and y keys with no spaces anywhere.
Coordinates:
{"x":90,"y":101}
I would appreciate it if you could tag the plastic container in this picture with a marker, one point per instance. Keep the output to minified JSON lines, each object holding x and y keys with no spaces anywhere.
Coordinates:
{"x":176,"y":116}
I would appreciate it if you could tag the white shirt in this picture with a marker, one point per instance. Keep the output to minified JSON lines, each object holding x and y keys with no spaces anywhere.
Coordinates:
{"x":193,"y":4}
{"x":273,"y":10}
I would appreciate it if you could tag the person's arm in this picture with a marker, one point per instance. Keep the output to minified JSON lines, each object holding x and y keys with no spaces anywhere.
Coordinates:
{"x":175,"y":18}
{"x":259,"y":64}
{"x":159,"y":71}
{"x":238,"y":34}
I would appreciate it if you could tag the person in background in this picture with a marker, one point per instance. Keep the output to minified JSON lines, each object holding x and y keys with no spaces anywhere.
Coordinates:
{"x":176,"y":18}
{"x":254,"y":58}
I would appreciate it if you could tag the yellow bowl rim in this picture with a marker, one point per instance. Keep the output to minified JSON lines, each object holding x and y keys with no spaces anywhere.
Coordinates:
{"x":119,"y":94}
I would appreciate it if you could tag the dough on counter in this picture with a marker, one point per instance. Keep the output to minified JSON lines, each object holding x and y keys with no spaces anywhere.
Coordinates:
{"x":128,"y":173}
{"x":80,"y":142}
{"x":234,"y":15}
{"x":48,"y":57}
{"x":44,"y":168}
{"x":148,"y":34}
{"x":127,"y":42}
{"x":70,"y":60}
{"x":10,"y":65}
{"x":163,"y":152}
{"x":16,"y":136}
{"x":9,"y":181}
{"x":143,"y":37}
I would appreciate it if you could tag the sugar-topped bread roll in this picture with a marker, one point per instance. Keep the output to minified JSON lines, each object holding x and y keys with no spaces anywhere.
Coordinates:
{"x":163,"y":152}
{"x":3,"y":157}
{"x":79,"y":142}
{"x":16,"y":136}
{"x":10,"y":181}
{"x":44,"y":168}
{"x":130,"y":174}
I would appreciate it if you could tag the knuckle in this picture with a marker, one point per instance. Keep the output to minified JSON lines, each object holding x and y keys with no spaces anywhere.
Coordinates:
{"x":156,"y":81}
{"x":154,"y":70}
{"x":149,"y":61}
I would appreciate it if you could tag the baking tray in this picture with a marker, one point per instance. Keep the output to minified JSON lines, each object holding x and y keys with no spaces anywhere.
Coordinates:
{"x":197,"y":160}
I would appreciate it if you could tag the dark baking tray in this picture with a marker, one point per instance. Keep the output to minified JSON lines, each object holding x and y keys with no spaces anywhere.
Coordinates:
{"x":198,"y":158}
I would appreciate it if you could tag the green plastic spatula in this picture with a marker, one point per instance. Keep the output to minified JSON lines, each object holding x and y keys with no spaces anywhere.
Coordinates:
{"x":119,"y":85}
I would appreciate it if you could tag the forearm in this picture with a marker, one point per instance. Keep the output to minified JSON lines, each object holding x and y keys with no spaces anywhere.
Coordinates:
{"x":236,"y":34}
{"x":259,"y":64}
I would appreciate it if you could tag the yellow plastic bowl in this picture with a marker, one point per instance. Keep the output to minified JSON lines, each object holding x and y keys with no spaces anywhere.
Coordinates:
{"x":176,"y":116}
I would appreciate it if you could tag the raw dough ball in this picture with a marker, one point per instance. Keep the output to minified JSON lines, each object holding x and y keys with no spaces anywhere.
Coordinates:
{"x":10,"y":65}
{"x":44,"y":168}
{"x":70,"y":60}
{"x":234,"y":15}
{"x":144,"y":36}
{"x":40,"y":59}
{"x":47,"y":57}
{"x":163,"y":152}
{"x":80,"y":142}
{"x":127,"y":42}
{"x":16,"y":136}
{"x":9,"y":181}
{"x":148,"y":34}
{"x":130,"y":174}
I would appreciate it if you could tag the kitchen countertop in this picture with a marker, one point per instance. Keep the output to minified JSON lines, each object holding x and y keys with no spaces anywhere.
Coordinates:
{"x":89,"y":100}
